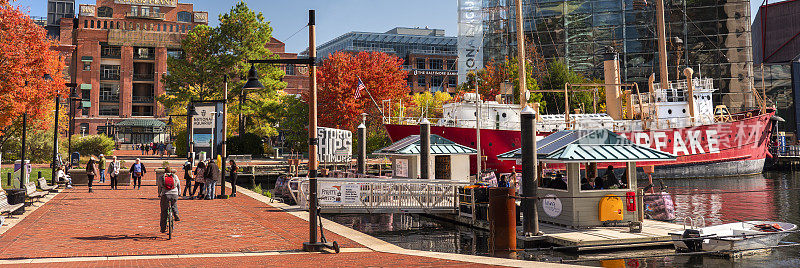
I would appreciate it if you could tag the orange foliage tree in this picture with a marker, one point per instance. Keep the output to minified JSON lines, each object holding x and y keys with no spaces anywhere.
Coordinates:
{"x":25,"y":57}
{"x":382,"y":75}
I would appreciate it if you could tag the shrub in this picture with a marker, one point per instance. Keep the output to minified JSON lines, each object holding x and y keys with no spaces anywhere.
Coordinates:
{"x":93,"y":145}
{"x":179,"y":141}
{"x":248,"y":144}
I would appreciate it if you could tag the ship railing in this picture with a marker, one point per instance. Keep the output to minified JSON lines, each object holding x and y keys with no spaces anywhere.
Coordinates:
{"x":373,"y":195}
{"x":785,"y":150}
{"x":406,"y":120}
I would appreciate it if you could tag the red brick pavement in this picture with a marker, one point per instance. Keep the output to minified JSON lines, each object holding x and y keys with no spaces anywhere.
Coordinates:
{"x":125,"y":222}
{"x":372,"y":259}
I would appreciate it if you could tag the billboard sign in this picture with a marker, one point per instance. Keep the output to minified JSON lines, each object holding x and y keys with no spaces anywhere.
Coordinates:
{"x":335,"y":145}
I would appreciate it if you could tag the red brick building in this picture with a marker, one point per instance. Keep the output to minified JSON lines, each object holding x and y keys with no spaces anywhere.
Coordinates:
{"x":296,"y":77}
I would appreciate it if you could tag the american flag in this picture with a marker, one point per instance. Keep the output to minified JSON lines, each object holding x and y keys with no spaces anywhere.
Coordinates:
{"x":359,"y":88}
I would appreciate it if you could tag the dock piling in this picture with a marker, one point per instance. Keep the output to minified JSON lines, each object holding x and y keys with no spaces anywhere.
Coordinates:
{"x":530,"y":222}
{"x":502,"y":220}
{"x":425,"y":149}
{"x":362,"y":145}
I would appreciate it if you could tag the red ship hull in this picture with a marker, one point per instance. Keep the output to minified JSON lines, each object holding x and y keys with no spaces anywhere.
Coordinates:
{"x":723,"y":149}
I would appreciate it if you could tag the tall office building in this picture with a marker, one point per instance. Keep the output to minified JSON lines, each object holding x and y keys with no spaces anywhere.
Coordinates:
{"x":57,"y":9}
{"x":122,"y":47}
{"x":712,"y":37}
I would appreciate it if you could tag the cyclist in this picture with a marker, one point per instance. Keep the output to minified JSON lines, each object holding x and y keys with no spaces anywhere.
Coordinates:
{"x":168,"y":191}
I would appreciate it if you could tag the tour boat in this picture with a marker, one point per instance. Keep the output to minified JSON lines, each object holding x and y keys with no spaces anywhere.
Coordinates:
{"x":733,"y":239}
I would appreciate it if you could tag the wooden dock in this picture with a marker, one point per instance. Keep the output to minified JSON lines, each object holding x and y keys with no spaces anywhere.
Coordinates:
{"x":596,"y":238}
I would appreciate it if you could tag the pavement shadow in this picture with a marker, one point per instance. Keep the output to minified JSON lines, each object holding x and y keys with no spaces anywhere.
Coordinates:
{"x":136,"y":237}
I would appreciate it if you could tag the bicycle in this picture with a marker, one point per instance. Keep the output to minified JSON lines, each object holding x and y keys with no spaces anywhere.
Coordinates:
{"x":170,"y":221}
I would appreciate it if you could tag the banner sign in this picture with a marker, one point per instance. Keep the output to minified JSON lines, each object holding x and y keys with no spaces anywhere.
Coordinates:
{"x":339,"y":193}
{"x":162,"y":3}
{"x":204,"y":125}
{"x":470,"y":37}
{"x":335,"y":145}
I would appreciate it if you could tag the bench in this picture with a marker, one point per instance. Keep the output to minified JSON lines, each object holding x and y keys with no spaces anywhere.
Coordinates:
{"x":31,"y":192}
{"x":43,"y":185}
{"x":5,"y":207}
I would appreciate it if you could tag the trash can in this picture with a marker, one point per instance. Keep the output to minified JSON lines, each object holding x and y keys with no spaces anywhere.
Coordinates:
{"x":16,"y":196}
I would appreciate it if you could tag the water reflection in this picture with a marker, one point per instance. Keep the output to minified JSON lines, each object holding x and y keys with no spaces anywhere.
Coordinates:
{"x":694,"y":197}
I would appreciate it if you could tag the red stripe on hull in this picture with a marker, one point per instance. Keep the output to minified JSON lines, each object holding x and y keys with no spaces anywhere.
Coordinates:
{"x":741,"y":140}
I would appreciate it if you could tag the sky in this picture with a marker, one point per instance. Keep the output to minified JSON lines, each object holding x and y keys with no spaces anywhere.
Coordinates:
{"x":334,"y":17}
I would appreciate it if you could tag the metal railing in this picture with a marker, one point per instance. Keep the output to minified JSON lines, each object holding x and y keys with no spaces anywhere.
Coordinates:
{"x":109,"y":76}
{"x":370,"y":195}
{"x":786,"y":150}
{"x":145,"y":15}
{"x":143,"y":99}
{"x":144,"y":77}
{"x":108,"y":97}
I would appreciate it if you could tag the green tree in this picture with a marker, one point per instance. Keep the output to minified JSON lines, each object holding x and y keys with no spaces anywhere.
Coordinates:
{"x":559,"y":74}
{"x":494,"y":74}
{"x":211,"y":53}
{"x":293,"y":121}
{"x":93,"y":145}
{"x":429,"y":104}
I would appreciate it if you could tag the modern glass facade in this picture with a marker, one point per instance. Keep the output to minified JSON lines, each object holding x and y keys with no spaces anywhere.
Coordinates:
{"x":428,"y":55}
{"x":714,"y":35}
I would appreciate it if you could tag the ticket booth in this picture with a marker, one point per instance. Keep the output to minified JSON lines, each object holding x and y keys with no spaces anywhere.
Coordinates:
{"x":449,"y":160}
{"x":601,"y":199}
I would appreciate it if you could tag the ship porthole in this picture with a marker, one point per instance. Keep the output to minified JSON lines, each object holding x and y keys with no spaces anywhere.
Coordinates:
{"x":669,"y":111}
{"x":684,"y":110}
{"x":504,"y":115}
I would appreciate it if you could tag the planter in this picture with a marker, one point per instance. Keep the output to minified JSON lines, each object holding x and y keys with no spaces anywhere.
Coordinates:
{"x":78,"y":176}
{"x":124,"y":178}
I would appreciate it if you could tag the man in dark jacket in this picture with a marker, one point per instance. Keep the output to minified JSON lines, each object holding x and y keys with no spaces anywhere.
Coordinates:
{"x":212,"y":176}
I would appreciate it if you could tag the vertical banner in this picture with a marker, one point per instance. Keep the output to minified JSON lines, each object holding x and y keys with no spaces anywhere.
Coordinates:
{"x":335,"y":145}
{"x":470,"y":37}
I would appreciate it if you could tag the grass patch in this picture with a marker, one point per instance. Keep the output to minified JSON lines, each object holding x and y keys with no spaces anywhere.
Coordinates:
{"x":261,"y":191}
{"x":46,"y":173}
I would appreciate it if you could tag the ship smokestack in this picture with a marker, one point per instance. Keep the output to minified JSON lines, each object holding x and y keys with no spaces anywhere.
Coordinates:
{"x":611,"y":71}
{"x":690,"y":92}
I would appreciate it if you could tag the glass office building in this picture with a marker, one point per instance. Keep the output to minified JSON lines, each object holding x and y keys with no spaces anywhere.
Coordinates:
{"x":711,"y":36}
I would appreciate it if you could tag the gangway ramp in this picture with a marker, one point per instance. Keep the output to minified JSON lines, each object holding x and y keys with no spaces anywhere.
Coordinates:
{"x":378,"y":195}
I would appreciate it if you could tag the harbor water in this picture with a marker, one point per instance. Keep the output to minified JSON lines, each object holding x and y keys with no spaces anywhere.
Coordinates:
{"x":773,"y":197}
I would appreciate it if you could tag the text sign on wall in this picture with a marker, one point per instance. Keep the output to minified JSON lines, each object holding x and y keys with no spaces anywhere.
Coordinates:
{"x":204,"y":117}
{"x":161,"y":3}
{"x":470,"y":37}
{"x":335,"y":145}
{"x":87,"y":10}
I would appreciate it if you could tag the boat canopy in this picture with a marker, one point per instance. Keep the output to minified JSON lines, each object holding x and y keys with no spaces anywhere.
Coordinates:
{"x":580,"y":146}
{"x":411,"y":145}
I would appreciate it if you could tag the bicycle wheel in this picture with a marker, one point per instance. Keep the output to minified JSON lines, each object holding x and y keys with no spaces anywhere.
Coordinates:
{"x":170,"y":221}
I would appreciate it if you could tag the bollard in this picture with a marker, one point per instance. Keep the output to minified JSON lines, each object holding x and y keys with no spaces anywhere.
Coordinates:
{"x":425,"y":149}
{"x":362,"y":149}
{"x":502,"y":220}
{"x":10,"y":184}
{"x":39,"y":175}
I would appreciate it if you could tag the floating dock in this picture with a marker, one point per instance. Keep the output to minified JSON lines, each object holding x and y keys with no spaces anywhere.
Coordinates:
{"x":595,"y":238}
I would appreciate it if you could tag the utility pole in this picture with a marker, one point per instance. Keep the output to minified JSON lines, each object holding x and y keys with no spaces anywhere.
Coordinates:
{"x":313,"y":244}
{"x":522,"y":75}
{"x":224,"y":149}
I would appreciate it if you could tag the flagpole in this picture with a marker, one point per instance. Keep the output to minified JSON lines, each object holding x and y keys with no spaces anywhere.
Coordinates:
{"x":370,"y":96}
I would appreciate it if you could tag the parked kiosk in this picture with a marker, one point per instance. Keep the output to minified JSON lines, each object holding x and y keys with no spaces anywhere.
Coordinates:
{"x":576,"y":202}
{"x":450,"y":160}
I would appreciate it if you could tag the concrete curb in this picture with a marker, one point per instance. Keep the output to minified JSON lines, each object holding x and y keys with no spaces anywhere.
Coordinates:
{"x":385,"y":247}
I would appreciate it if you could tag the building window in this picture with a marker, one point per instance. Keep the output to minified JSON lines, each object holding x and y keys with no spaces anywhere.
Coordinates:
{"x":437,"y":81}
{"x":105,"y":12}
{"x":91,"y":23}
{"x":451,"y":64}
{"x":109,"y":72}
{"x":87,"y":66}
{"x":107,"y":51}
{"x":177,"y":54}
{"x":452,"y":81}
{"x":109,"y":110}
{"x":142,"y":110}
{"x":184,"y":16}
{"x":420,"y":63}
{"x":86,"y":94}
{"x":109,"y":92}
{"x":290,"y":69}
{"x":421,"y":81}
{"x":436,"y":64}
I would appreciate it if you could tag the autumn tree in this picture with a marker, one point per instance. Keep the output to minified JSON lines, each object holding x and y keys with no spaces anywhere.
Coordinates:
{"x":211,"y":53}
{"x":382,"y":75}
{"x":494,"y":74}
{"x":25,"y":58}
{"x":428,"y":104}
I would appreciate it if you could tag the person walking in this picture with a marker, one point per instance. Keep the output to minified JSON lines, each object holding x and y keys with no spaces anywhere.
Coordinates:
{"x":137,"y":172}
{"x":91,"y":171}
{"x":113,"y":172}
{"x":101,"y":165}
{"x":212,"y":175}
{"x":234,"y":175}
{"x":168,"y":190}
{"x":187,"y":175}
{"x":199,"y":180}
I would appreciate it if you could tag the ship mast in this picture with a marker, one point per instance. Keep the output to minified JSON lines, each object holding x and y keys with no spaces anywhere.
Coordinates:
{"x":662,"y":44}
{"x":522,"y":75}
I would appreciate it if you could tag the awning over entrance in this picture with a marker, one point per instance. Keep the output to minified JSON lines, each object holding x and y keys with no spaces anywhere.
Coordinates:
{"x":599,"y":145}
{"x":153,"y":123}
{"x":439,"y":145}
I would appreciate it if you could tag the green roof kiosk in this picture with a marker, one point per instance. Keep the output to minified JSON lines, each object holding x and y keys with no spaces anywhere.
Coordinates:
{"x":570,"y":204}
{"x":450,"y":160}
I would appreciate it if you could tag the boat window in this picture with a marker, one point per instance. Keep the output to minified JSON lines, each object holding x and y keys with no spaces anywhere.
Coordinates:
{"x":554,"y":181}
{"x":614,"y":180}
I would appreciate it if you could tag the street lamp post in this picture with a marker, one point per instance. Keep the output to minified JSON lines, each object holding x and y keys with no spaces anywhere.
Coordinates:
{"x":72,"y":98}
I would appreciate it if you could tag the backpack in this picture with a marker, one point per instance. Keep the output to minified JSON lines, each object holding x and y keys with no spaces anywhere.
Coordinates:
{"x":169,"y":182}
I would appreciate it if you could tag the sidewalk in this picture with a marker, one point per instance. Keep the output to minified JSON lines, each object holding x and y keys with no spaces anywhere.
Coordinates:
{"x":120,"y":228}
